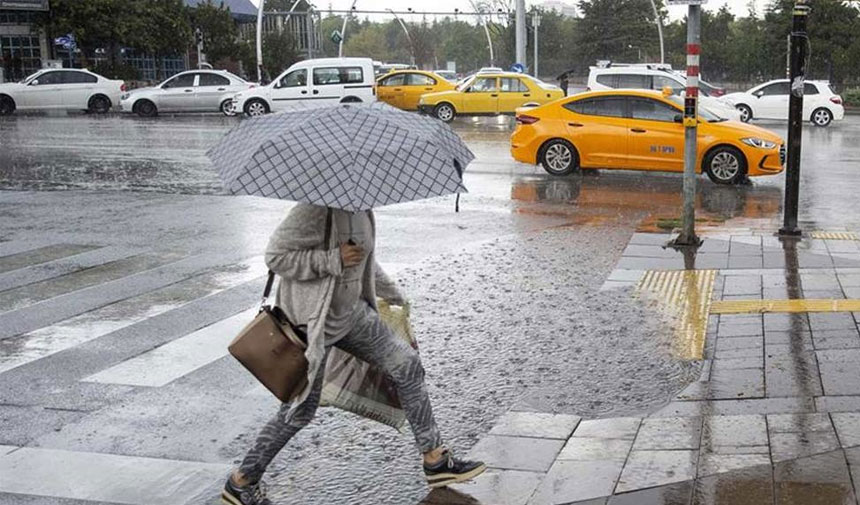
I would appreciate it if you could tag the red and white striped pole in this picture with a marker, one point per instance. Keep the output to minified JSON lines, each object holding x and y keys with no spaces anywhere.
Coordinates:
{"x":688,"y":230}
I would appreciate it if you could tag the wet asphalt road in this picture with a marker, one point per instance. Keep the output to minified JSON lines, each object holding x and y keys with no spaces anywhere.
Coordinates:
{"x":508,"y":310}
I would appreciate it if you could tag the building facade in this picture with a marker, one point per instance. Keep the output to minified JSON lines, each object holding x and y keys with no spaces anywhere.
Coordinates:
{"x":23,"y":46}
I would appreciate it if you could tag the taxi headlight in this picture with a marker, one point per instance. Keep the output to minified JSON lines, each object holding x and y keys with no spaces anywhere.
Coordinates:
{"x":760,"y":143}
{"x":421,"y":101}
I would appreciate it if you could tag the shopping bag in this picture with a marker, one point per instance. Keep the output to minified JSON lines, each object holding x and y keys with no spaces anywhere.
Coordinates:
{"x":355,"y":386}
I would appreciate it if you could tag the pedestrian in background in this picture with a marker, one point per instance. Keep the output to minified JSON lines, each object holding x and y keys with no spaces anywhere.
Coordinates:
{"x":300,"y":252}
{"x":563,"y":82}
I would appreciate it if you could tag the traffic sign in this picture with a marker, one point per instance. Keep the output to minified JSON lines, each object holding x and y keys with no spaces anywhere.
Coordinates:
{"x":518,"y":68}
{"x":336,"y":37}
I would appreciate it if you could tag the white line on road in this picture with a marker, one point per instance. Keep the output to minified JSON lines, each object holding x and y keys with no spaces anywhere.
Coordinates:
{"x":178,"y":358}
{"x":105,"y":477}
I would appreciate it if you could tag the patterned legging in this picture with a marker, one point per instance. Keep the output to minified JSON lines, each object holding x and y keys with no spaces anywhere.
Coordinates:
{"x":372,"y":341}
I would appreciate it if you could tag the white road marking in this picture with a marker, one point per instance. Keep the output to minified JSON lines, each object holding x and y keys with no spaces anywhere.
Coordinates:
{"x":105,"y":477}
{"x":178,"y":358}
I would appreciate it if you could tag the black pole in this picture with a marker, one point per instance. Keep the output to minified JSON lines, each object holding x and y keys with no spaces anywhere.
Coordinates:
{"x":798,"y":42}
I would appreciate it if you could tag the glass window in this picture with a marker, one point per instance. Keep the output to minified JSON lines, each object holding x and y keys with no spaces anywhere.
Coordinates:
{"x":338,"y":75}
{"x":180,"y":81}
{"x":611,"y":107}
{"x":513,"y":85}
{"x":642,"y":108}
{"x":483,"y":85}
{"x":809,"y":89}
{"x":421,"y":80}
{"x":633,"y":81}
{"x":394,"y":80}
{"x":49,"y":78}
{"x":213,"y":80}
{"x":294,"y":79}
{"x":777,"y":88}
{"x":660,"y":81}
{"x":78,"y":78}
{"x":610,"y":81}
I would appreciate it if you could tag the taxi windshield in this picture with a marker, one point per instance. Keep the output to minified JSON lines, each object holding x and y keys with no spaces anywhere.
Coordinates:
{"x":703,"y":113}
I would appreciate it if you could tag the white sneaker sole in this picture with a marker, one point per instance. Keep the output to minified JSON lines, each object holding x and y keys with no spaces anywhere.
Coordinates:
{"x":443,"y":479}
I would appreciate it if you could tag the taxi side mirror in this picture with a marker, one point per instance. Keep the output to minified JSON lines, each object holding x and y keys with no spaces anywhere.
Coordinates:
{"x":667,"y":91}
{"x":678,"y":118}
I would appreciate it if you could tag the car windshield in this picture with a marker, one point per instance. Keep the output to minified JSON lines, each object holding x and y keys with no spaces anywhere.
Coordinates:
{"x":703,"y":113}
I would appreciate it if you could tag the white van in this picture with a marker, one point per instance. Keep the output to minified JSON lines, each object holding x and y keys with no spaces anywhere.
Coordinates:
{"x":323,"y":81}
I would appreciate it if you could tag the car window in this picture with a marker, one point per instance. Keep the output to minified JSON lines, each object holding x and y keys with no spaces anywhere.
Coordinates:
{"x":659,"y":82}
{"x":213,"y":80}
{"x":633,"y":81}
{"x":180,"y":81}
{"x":483,"y":85}
{"x":777,"y":88}
{"x":513,"y":85}
{"x":338,"y":75}
{"x":810,"y":89}
{"x":294,"y":79}
{"x":70,"y":77}
{"x":610,"y":107}
{"x":420,"y":80}
{"x":49,"y":78}
{"x":608,"y":80}
{"x":644,"y":108}
{"x":394,"y":80}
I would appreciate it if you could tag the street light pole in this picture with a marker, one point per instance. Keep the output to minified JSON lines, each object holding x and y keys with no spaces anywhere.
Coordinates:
{"x":483,"y":21}
{"x":343,"y":31}
{"x":406,"y":31}
{"x":659,"y":30}
{"x":688,"y":236}
{"x":797,"y":69}
{"x":260,"y":41}
{"x":520,"y":17}
{"x":535,"y":25}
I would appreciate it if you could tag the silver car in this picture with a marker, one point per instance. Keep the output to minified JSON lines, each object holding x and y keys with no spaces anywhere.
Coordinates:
{"x":191,"y":91}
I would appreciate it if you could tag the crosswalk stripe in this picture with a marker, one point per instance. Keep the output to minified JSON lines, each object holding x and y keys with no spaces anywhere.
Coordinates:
{"x":23,"y":349}
{"x":41,"y":255}
{"x":62,"y":266}
{"x":178,"y":358}
{"x":106,"y":477}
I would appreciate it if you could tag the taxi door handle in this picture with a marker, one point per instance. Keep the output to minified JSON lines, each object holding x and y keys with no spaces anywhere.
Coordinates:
{"x":494,"y":95}
{"x":637,"y":130}
{"x":428,"y":89}
{"x":398,"y":89}
{"x":527,"y":94}
{"x":575,"y":125}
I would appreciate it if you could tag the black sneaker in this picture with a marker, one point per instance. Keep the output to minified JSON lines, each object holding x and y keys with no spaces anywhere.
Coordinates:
{"x":450,"y":470}
{"x":252,"y":494}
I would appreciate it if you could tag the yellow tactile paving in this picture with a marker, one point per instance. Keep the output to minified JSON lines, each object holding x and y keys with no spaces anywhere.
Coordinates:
{"x":685,"y":295}
{"x":835,"y":235}
{"x":761,"y":306}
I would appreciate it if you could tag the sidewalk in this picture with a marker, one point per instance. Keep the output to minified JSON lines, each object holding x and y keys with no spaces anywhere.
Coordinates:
{"x":774,"y":417}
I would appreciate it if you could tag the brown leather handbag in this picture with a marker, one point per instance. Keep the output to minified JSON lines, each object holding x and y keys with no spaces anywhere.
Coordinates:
{"x":273,"y":350}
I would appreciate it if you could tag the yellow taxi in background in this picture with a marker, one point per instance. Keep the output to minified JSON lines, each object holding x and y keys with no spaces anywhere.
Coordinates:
{"x":403,"y":88}
{"x":489,"y":94}
{"x":640,"y":130}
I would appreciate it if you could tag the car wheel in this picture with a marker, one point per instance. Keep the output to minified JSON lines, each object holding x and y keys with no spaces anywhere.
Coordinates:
{"x":351,"y":99}
{"x":7,"y":105}
{"x":256,"y":108}
{"x":559,"y":157}
{"x":725,"y":165}
{"x":746,"y":112}
{"x":98,"y":104}
{"x":227,"y":107}
{"x":145,"y":108}
{"x":821,"y":117}
{"x":444,"y":112}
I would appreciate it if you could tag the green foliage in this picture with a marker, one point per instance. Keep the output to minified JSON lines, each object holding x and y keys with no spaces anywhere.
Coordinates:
{"x":279,"y":52}
{"x":122,"y":71}
{"x":220,"y":35}
{"x":852,"y":97}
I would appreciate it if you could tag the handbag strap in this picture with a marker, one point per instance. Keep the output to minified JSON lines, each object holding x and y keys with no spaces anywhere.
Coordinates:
{"x":271,"y":279}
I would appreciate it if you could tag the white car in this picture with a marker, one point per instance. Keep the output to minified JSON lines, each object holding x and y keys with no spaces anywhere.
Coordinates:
{"x":64,"y":89}
{"x":322,"y":81}
{"x":191,"y":91}
{"x":656,"y":77}
{"x":448,"y":75}
{"x":821,"y":105}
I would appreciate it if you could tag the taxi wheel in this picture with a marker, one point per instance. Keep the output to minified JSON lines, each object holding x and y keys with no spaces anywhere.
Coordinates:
{"x":725,"y":165}
{"x":746,"y":112}
{"x":444,"y":112}
{"x":821,"y":117}
{"x":559,"y":157}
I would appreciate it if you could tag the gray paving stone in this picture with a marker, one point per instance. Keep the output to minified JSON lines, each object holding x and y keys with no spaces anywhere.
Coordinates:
{"x":712,"y":260}
{"x":773,"y":260}
{"x":656,"y":468}
{"x":615,"y":427}
{"x":745,"y":261}
{"x":649,"y":251}
{"x":749,"y":486}
{"x":837,"y":404}
{"x":734,"y":431}
{"x":651,"y":238}
{"x":740,"y":330}
{"x":572,"y":481}
{"x":741,"y":249}
{"x":831,"y":321}
{"x":739,"y":383}
{"x":502,"y":487}
{"x":792,"y":372}
{"x":849,"y":280}
{"x":535,"y":424}
{"x":786,"y":322}
{"x":836,"y":339}
{"x":712,"y":463}
{"x":710,"y":245}
{"x":517,"y":453}
{"x":749,"y":352}
{"x":679,"y":493}
{"x":786,"y":446}
{"x":738,"y":363}
{"x":799,"y":423}
{"x":738,"y":407}
{"x":595,"y":449}
{"x":824,"y":281}
{"x":817,"y":480}
{"x":626,"y":275}
{"x":742,"y":285}
{"x":727,"y":343}
{"x":847,"y":427}
{"x":839,"y":375}
{"x":823,"y":294}
{"x":669,"y":433}
{"x":786,"y":337}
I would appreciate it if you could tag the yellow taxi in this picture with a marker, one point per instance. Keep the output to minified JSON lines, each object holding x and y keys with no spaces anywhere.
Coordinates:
{"x":489,"y":94}
{"x":640,"y":130}
{"x":403,"y":88}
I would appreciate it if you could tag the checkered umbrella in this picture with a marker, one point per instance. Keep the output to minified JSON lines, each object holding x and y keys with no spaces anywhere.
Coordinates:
{"x":352,"y":157}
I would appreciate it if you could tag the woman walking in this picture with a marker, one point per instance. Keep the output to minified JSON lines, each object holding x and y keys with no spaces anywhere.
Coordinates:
{"x":330,"y":282}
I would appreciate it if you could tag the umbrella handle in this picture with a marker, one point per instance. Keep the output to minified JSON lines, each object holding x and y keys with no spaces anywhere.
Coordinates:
{"x":457,"y":203}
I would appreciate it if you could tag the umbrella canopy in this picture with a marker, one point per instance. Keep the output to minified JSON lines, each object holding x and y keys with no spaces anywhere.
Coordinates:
{"x":352,"y":157}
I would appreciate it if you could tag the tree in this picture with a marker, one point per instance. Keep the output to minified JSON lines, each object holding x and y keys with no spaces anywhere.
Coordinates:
{"x":618,"y":30}
{"x":368,"y":40}
{"x":279,"y":52}
{"x":96,"y":24}
{"x":220,"y":35}
{"x":163,"y":29}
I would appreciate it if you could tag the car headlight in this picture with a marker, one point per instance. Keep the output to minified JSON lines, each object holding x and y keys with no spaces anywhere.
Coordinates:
{"x":760,"y":143}
{"x":421,"y":101}
{"x":125,"y":96}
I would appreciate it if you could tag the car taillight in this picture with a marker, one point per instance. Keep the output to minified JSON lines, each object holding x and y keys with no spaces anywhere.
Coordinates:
{"x":718,"y":92}
{"x":526,"y":119}
{"x":123,"y":87}
{"x":836,"y":99}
